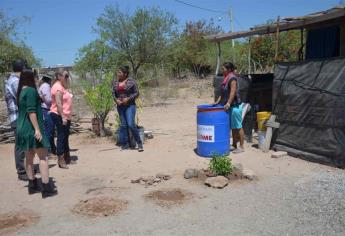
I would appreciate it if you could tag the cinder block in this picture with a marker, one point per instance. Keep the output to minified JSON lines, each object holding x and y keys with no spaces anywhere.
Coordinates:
{"x":279,"y":154}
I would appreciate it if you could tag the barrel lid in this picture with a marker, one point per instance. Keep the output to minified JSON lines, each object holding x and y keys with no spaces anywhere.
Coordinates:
{"x":209,"y":107}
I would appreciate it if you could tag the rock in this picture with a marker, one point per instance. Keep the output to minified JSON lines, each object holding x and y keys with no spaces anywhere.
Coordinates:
{"x":217,"y":182}
{"x":136,"y":181}
{"x":191,"y":173}
{"x":237,"y":170}
{"x":279,"y":154}
{"x":163,"y":176}
{"x":249,"y":174}
{"x":209,"y":173}
{"x":147,"y":178}
{"x":157,"y":180}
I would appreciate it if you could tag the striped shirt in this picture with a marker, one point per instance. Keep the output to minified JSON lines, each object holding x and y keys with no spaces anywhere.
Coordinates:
{"x":11,"y":87}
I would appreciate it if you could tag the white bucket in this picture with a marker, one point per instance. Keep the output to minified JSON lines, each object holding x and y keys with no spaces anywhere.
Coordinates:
{"x":262,"y":138}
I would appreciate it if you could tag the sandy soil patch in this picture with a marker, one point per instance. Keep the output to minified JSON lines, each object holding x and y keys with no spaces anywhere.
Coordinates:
{"x":169,"y":197}
{"x":100,"y":207}
{"x":11,"y":222}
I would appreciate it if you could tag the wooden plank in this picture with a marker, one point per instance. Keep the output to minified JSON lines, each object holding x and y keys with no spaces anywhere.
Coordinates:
{"x":269,"y":132}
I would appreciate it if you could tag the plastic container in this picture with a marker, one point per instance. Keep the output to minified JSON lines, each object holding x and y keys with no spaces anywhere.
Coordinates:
{"x":261,"y":118}
{"x":213,"y":131}
{"x":262,"y":138}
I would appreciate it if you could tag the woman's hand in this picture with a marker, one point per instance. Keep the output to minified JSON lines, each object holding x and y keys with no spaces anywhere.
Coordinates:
{"x":38,"y":135}
{"x":118,"y":102}
{"x":64,"y":121}
{"x":226,"y":107}
{"x":125,"y":101}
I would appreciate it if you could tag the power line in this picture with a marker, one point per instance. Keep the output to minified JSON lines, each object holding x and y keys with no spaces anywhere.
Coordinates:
{"x":210,"y":10}
{"x":238,"y":23}
{"x":202,"y":8}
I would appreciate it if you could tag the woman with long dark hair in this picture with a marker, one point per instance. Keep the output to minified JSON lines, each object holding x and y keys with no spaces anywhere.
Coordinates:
{"x":30,"y":135}
{"x":125,"y":92}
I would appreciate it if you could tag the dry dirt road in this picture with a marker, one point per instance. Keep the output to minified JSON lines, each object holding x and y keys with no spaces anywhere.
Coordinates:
{"x":291,"y":197}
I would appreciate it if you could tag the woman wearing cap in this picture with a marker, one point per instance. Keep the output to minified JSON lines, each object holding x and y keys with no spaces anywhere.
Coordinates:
{"x":230,"y":99}
{"x":45,"y":94}
{"x":125,"y":92}
{"x":30,"y":136}
{"x":61,"y":113}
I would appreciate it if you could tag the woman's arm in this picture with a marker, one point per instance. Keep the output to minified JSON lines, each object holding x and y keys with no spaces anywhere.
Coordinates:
{"x":232,"y":93}
{"x":218,"y":100}
{"x":59,"y":105}
{"x":34,"y":122}
{"x":115,"y":94}
{"x":134,"y":94}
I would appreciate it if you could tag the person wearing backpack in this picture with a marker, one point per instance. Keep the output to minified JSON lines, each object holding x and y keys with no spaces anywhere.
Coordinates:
{"x":231,"y":100}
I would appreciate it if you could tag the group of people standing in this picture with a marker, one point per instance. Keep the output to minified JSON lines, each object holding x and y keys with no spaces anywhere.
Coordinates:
{"x":39,"y":109}
{"x":35,"y":110}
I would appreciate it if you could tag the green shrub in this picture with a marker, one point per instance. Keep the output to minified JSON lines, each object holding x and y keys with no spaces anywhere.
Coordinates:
{"x":220,"y":165}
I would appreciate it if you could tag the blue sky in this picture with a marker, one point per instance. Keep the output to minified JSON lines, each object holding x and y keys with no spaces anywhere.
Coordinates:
{"x":58,"y":28}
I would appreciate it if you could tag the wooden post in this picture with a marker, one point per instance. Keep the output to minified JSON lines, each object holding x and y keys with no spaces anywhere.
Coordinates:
{"x":270,"y":124}
{"x":218,"y":58}
{"x":249,"y":56}
{"x":300,"y":56}
{"x":277,"y":40}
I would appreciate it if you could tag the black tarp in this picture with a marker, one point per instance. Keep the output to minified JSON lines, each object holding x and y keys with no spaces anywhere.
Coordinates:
{"x":323,"y":42}
{"x":309,"y":101}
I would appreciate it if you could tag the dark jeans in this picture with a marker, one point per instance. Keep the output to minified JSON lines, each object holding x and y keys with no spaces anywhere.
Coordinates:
{"x":62,"y":143}
{"x":49,"y":129}
{"x":19,"y":155}
{"x":127,"y":116}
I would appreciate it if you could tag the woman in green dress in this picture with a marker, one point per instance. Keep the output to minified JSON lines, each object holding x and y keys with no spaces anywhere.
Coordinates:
{"x":30,"y":135}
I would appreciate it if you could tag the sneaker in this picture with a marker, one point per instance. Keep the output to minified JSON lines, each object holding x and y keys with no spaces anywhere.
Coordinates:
{"x":237,"y":150}
{"x":23,"y":177}
{"x":124,"y":147}
{"x":140,"y":148}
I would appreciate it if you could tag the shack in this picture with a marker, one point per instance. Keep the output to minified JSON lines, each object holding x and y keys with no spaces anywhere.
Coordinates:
{"x":308,"y":96}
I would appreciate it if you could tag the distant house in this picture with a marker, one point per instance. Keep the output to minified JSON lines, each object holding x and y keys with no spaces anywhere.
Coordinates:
{"x":56,"y":68}
{"x":307,"y":96}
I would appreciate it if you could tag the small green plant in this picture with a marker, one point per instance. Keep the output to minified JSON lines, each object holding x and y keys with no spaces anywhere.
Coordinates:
{"x":220,"y":165}
{"x":100,"y":101}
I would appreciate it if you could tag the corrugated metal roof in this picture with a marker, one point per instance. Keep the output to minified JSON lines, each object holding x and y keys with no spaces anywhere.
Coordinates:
{"x":287,"y":23}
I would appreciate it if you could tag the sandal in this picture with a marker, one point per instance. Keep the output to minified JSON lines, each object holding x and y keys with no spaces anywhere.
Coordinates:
{"x":237,"y":150}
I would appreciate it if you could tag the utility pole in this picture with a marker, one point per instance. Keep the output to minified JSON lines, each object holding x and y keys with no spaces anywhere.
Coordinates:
{"x":231,"y":26}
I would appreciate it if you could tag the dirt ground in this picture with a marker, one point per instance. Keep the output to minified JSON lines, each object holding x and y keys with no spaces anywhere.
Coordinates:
{"x":291,"y":197}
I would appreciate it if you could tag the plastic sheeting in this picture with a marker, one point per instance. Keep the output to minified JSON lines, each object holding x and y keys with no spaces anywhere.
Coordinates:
{"x":309,"y":101}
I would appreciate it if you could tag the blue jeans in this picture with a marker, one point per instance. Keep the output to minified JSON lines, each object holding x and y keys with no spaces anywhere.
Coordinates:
{"x":127,"y":116}
{"x":49,"y":129}
{"x":62,"y":142}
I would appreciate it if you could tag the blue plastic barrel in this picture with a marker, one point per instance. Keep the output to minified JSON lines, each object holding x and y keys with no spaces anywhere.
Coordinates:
{"x":213,"y":131}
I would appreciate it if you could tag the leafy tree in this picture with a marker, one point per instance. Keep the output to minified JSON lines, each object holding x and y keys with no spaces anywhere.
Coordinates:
{"x":11,"y":47}
{"x":140,"y":38}
{"x":95,"y":60}
{"x":264,"y":49}
{"x":196,"y":50}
